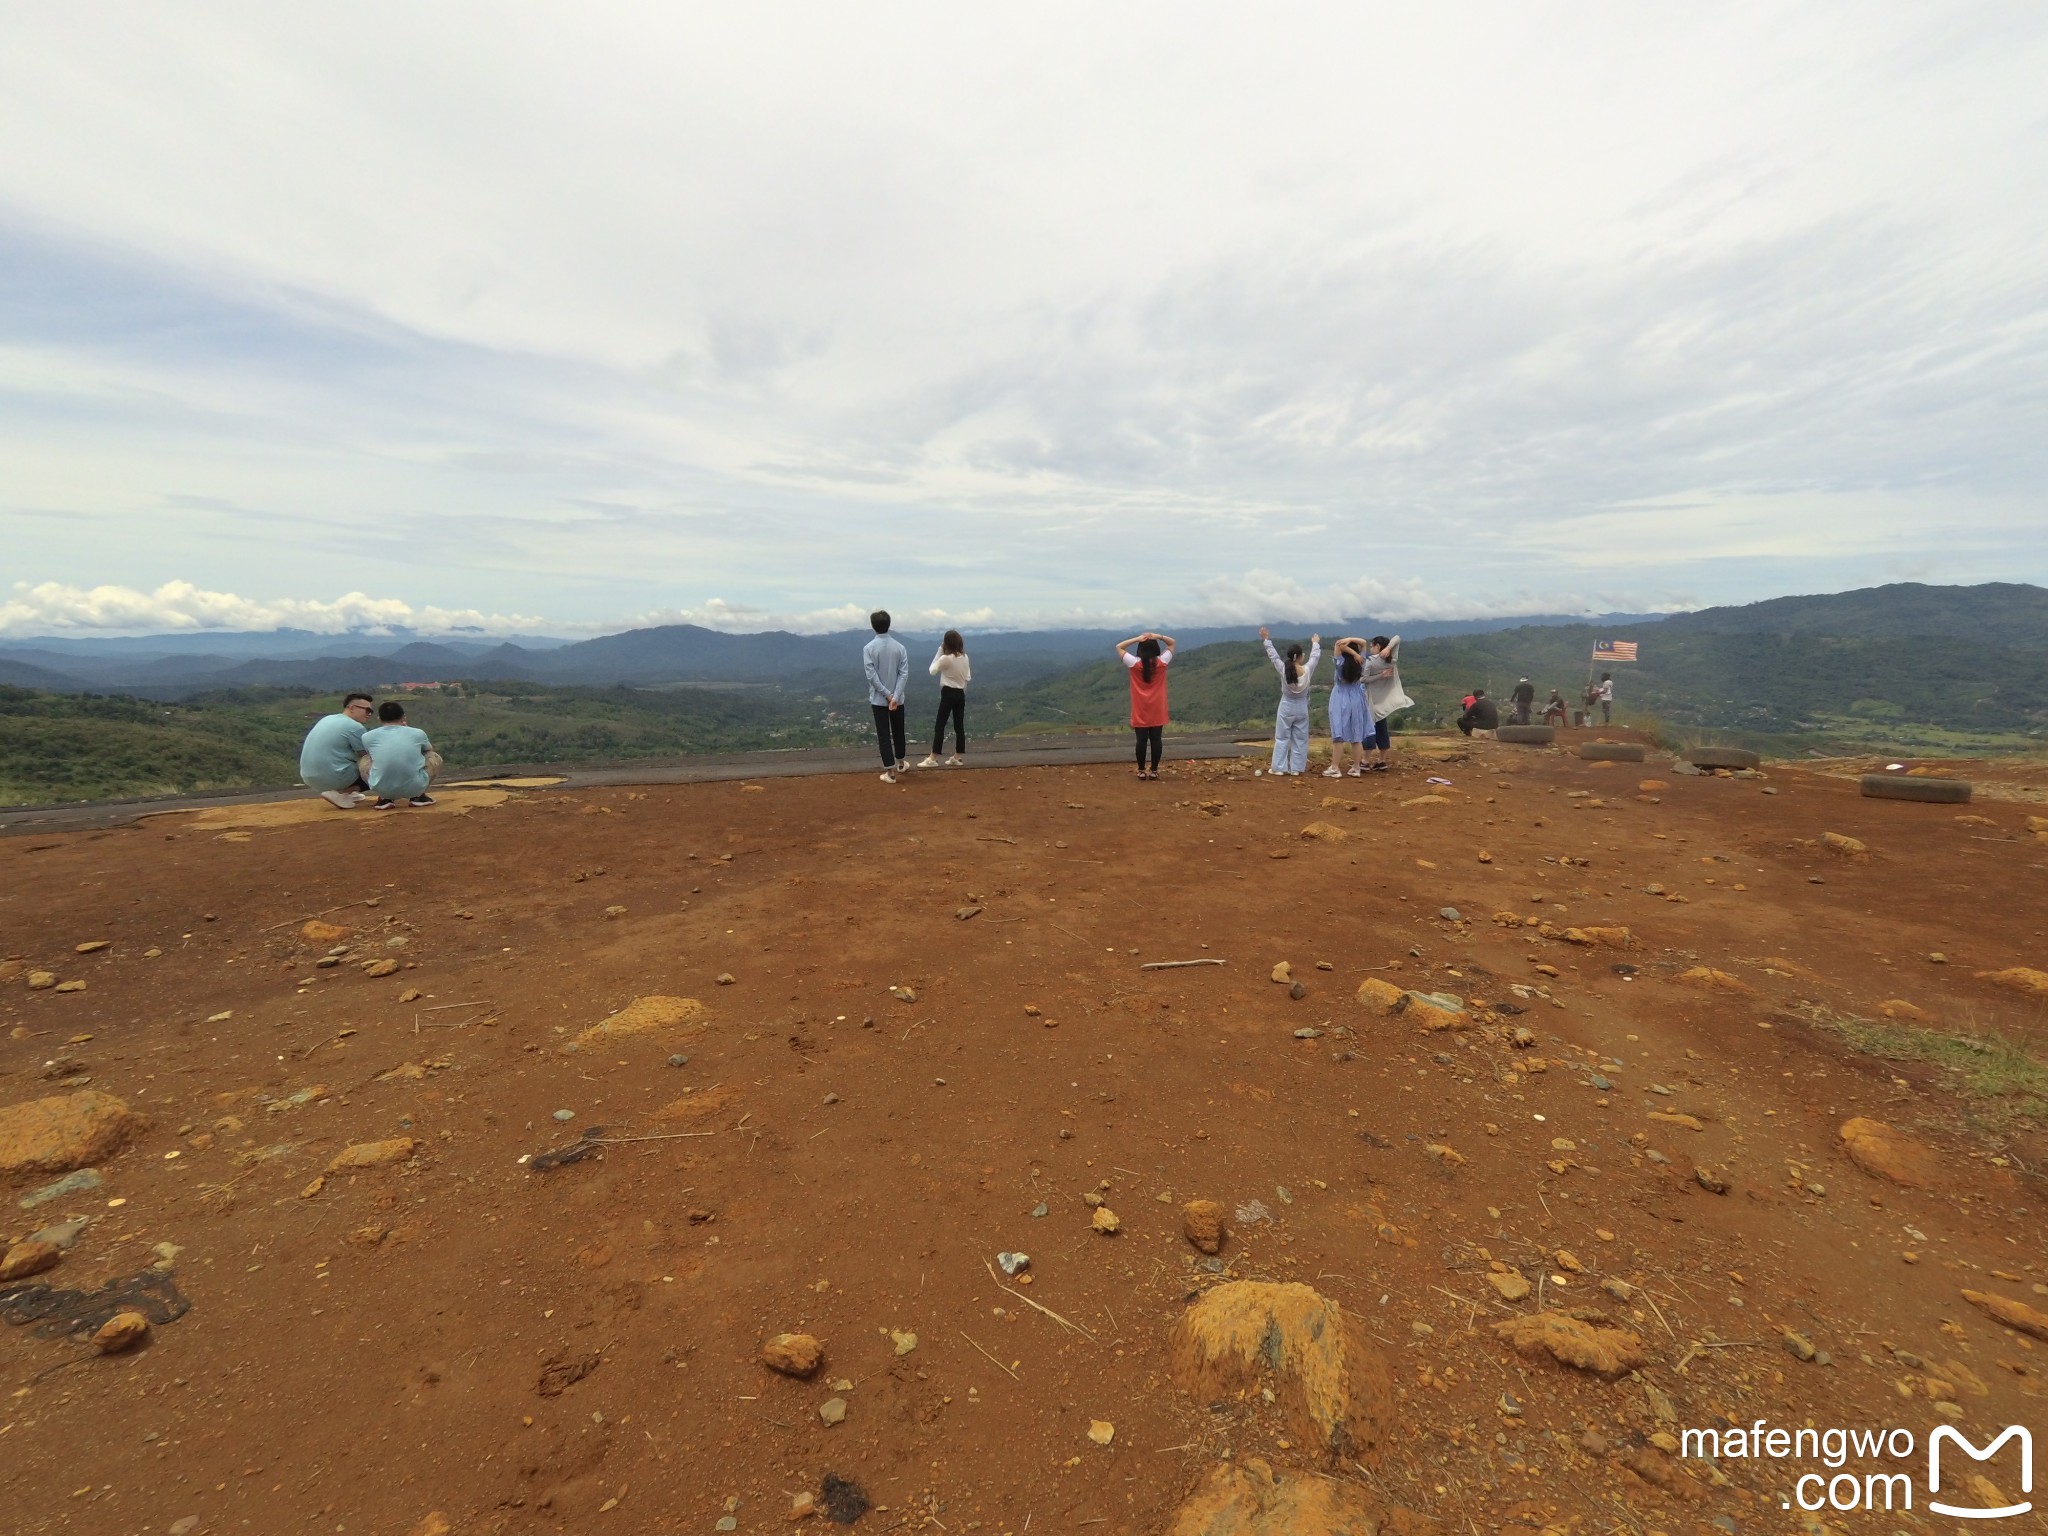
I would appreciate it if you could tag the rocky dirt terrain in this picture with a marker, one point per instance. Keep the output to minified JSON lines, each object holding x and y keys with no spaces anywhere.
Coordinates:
{"x":466,"y":1167}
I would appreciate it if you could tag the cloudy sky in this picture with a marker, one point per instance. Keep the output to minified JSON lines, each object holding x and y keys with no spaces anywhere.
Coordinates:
{"x":555,"y":317}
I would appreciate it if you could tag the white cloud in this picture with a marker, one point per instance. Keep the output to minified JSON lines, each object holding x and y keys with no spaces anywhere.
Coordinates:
{"x":642,"y":308}
{"x":51,"y":608}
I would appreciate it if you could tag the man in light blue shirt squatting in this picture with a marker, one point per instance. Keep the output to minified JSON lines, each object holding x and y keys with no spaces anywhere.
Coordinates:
{"x":888,"y":669}
{"x":327,"y":762}
{"x":398,"y":759}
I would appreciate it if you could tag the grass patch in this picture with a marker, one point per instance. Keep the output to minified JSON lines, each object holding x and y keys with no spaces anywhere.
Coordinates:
{"x":2006,"y":1084}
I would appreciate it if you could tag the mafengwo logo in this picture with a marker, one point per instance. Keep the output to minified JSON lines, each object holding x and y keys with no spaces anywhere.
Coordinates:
{"x":1844,"y":1490}
{"x":1945,"y":1434}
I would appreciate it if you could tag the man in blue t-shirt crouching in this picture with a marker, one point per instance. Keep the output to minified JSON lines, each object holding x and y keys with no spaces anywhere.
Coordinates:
{"x":400,"y":762}
{"x":328,"y":760}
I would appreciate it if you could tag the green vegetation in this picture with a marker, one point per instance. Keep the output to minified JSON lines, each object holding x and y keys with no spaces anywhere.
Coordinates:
{"x":2007,"y":1086}
{"x":1765,"y":678}
{"x":58,"y":747}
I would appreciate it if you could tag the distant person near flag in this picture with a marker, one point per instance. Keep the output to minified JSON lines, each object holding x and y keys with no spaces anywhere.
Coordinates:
{"x":1602,"y":692}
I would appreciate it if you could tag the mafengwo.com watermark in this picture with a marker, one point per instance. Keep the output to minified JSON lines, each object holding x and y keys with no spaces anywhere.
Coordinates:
{"x":1849,"y":1470}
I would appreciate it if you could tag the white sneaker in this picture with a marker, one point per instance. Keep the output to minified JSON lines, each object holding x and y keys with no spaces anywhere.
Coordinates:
{"x":929,"y":762}
{"x":340,"y":799}
{"x":1333,"y":773}
{"x":955,"y":761}
{"x":888,"y":776}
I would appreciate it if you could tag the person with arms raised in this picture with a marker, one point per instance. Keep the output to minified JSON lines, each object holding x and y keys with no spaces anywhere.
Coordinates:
{"x":1290,"y":725}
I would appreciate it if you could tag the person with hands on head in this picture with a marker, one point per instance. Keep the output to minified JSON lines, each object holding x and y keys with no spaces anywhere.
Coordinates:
{"x":1383,"y":692}
{"x":1350,"y":715}
{"x":1146,"y":658}
{"x":887,"y":666}
{"x":1290,"y":725}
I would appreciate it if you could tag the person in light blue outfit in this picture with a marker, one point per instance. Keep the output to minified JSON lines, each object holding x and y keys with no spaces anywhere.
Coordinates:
{"x":1290,"y":726}
{"x":327,"y":761}
{"x":1350,"y":715}
{"x":398,"y":759}
{"x":887,"y":666}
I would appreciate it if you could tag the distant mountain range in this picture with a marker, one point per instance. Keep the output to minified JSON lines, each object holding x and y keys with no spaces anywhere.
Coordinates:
{"x":1946,"y":622}
{"x":178,"y":666}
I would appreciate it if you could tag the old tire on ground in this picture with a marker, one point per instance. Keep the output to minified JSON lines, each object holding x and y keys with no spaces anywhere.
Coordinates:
{"x":1897,"y":786}
{"x":1722,"y":757}
{"x":1612,"y":752}
{"x":1528,"y":735}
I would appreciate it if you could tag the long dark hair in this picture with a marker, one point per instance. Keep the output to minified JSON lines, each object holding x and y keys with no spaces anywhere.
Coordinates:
{"x":953,"y":645}
{"x":1293,"y":655}
{"x":1148,"y":657}
{"x":1349,"y":667}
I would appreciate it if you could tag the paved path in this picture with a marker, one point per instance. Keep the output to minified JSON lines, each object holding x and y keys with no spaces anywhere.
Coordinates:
{"x":993,"y":752}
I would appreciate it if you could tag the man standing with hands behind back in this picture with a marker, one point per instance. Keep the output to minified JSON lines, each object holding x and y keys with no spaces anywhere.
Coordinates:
{"x":888,"y":668}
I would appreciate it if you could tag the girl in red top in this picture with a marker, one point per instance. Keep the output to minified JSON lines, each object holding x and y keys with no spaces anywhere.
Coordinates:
{"x":1146,"y":658}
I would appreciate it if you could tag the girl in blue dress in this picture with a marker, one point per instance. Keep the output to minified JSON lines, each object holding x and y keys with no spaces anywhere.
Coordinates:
{"x":1350,"y":716}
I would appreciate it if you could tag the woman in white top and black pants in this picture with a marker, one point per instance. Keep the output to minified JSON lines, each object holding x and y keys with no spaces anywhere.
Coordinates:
{"x":951,"y":669}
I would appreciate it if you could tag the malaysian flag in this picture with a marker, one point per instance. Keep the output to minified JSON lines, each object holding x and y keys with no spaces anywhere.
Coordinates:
{"x":1614,"y":650}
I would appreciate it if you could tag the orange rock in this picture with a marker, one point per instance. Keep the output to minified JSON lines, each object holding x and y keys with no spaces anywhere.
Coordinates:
{"x":2019,"y":978}
{"x":1324,"y":832}
{"x":1899,"y":1008}
{"x":2014,"y":1314}
{"x":381,"y":968}
{"x":1884,"y":1153}
{"x":56,"y":1135}
{"x":124,"y":1330}
{"x":1608,"y":1352}
{"x":1380,"y":996}
{"x":316,"y":932}
{"x":793,"y":1354}
{"x":29,"y":1258}
{"x":1325,"y":1374}
{"x":1707,"y":979}
{"x":1613,"y":938}
{"x":1203,"y":1222}
{"x":644,"y":1014}
{"x":1248,"y":1498}
{"x":1653,"y":786}
{"x":373,"y":1154}
{"x":1847,"y":847}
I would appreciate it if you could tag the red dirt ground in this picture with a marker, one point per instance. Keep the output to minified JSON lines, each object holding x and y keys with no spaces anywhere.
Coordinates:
{"x":393,"y":1346}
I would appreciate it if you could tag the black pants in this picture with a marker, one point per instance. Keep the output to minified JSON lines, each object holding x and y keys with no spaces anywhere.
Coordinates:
{"x":889,"y":732}
{"x":1152,"y":734}
{"x":953,"y":702}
